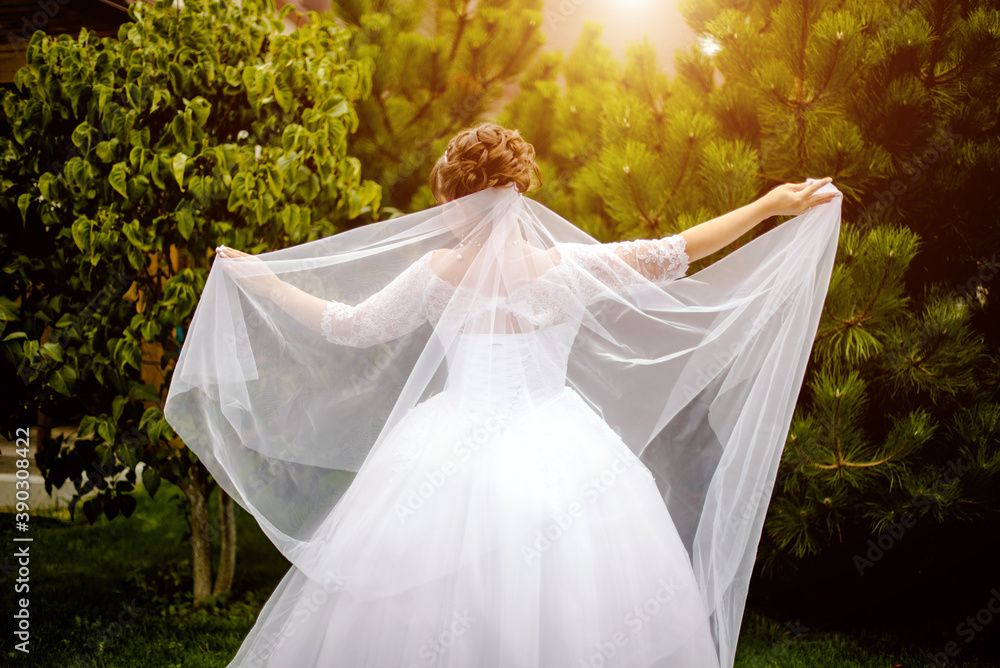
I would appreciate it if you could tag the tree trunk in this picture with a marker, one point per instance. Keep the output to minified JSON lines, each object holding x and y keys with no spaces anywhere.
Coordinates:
{"x":197,"y":490}
{"x":227,"y":551}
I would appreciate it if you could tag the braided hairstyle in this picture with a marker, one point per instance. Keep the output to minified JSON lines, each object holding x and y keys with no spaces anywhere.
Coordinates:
{"x":484,"y":156}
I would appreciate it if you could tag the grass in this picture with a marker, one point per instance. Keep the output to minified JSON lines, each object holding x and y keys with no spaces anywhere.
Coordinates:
{"x":766,"y":643}
{"x":117,"y":594}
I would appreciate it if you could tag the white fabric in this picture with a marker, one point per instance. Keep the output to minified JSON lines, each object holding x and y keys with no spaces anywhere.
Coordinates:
{"x":550,"y":452}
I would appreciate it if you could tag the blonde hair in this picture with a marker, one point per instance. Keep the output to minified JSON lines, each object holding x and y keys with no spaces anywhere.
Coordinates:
{"x":484,"y":156}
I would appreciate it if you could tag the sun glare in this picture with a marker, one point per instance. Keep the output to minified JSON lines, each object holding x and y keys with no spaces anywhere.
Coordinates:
{"x":709,"y":46}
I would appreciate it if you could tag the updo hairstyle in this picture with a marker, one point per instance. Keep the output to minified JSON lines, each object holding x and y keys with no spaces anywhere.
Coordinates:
{"x":484,"y":156}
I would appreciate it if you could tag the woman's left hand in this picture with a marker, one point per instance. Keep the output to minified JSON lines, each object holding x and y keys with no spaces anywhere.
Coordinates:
{"x":791,"y":199}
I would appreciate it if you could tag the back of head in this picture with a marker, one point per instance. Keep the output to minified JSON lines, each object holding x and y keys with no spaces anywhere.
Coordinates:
{"x":484,"y":156}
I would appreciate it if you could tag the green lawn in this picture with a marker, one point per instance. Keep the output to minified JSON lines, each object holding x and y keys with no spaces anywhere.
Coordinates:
{"x":83,"y":580}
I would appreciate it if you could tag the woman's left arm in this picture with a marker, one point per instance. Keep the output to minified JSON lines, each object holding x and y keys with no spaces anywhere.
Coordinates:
{"x":788,"y":199}
{"x":388,"y":314}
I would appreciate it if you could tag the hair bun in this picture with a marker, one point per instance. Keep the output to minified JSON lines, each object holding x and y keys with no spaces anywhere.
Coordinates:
{"x":484,"y":156}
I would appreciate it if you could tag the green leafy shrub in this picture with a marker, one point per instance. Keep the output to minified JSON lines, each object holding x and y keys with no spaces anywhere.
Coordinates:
{"x":125,"y":162}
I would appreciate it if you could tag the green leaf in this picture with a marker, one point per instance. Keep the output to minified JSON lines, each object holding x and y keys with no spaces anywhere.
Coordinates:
{"x":294,"y":137}
{"x":106,"y":149}
{"x":178,"y":78}
{"x":92,"y":509}
{"x":159,"y":166}
{"x":136,"y":157}
{"x":8,"y":309}
{"x":144,"y":391}
{"x":274,"y":180}
{"x":178,"y":167}
{"x":86,"y":427}
{"x":127,"y":503}
{"x":238,"y":193}
{"x":137,"y":187}
{"x":185,"y":222}
{"x":200,"y":109}
{"x":81,"y":231}
{"x":81,"y":137}
{"x":111,"y":508}
{"x":132,"y":354}
{"x":118,"y":405}
{"x":126,"y":452}
{"x":150,"y":480}
{"x":46,"y":186}
{"x":199,"y":187}
{"x":137,"y":235}
{"x":103,"y":95}
{"x":54,"y":350}
{"x":117,"y":179}
{"x":63,"y":379}
{"x":340,"y":109}
{"x":136,"y":258}
{"x":283,"y":93}
{"x":22,"y":204}
{"x":150,"y":330}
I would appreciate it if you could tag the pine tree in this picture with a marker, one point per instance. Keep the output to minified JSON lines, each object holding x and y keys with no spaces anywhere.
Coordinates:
{"x":439,"y":67}
{"x":870,"y":93}
{"x":902,"y":385}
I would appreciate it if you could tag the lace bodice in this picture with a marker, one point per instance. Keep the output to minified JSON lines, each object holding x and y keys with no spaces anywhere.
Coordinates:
{"x":584,"y":273}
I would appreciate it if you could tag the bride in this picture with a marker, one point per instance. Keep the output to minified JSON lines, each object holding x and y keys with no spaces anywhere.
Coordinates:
{"x":484,"y":440}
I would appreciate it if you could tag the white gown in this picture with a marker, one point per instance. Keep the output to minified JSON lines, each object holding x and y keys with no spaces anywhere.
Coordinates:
{"x":502,"y":524}
{"x":564,"y":460}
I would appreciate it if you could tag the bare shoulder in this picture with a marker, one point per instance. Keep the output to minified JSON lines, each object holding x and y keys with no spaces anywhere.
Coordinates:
{"x":444,"y":265}
{"x":444,"y":262}
{"x":438,"y":257}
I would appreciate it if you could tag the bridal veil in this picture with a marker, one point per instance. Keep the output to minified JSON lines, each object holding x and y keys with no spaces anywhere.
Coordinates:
{"x":285,"y":392}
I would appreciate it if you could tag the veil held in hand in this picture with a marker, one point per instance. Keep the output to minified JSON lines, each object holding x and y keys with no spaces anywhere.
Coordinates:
{"x":299,"y":363}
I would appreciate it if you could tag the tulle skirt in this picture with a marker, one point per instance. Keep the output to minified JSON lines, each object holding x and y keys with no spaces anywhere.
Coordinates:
{"x":498,"y":538}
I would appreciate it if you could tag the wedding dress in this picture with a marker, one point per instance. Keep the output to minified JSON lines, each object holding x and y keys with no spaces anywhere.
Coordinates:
{"x":486,"y":441}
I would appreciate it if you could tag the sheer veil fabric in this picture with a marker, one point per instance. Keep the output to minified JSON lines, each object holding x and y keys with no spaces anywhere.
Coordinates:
{"x":410,"y":407}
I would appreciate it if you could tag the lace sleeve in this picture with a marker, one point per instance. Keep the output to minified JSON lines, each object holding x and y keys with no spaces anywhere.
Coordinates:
{"x":622,"y":263}
{"x":390,"y":313}
{"x":657,"y":259}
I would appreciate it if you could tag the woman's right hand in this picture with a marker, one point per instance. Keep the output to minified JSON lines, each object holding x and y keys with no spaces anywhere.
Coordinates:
{"x":791,"y":199}
{"x":227,"y":252}
{"x":268,"y":279}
